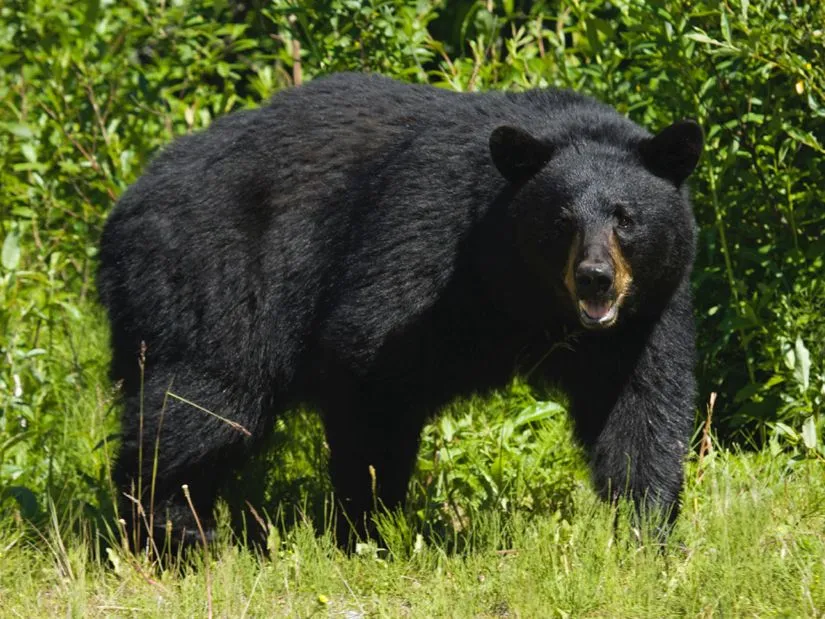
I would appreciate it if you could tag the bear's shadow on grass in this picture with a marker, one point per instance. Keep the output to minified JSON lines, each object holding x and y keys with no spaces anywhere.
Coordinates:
{"x":285,"y":484}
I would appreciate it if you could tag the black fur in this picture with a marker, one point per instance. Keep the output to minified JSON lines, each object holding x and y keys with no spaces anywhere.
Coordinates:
{"x":353,"y":246}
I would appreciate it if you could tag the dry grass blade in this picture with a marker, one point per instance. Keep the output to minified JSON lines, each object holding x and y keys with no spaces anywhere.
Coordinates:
{"x":229,"y":422}
{"x":706,"y":444}
{"x":207,"y":572}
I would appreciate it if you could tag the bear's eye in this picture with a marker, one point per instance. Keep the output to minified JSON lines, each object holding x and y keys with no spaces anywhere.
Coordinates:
{"x":623,"y":220}
{"x":562,"y":225}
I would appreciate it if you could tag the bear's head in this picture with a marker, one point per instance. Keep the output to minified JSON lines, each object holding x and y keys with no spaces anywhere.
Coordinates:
{"x":604,"y":215}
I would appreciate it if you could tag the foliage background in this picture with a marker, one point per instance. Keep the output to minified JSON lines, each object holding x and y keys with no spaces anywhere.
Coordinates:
{"x":91,"y":90}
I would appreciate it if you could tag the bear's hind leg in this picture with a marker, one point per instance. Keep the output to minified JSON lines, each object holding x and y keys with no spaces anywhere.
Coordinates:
{"x":183,"y":427}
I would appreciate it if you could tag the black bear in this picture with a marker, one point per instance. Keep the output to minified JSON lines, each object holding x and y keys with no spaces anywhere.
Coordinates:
{"x":373,"y":249}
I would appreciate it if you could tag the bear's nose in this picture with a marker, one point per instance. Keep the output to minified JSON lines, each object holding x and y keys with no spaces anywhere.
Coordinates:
{"x":593,"y":279}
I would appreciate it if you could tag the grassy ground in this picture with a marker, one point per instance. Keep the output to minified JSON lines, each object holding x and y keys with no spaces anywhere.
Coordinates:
{"x":513,"y":527}
{"x":751,"y":541}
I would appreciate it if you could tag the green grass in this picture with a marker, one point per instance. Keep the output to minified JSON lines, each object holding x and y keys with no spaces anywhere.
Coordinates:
{"x":501,"y":522}
{"x":751,"y":541}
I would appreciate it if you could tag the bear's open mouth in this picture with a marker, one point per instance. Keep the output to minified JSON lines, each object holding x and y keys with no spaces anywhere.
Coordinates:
{"x":598,"y":313}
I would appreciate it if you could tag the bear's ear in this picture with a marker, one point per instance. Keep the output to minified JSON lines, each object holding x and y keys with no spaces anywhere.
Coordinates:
{"x":674,"y":152}
{"x":517,"y":154}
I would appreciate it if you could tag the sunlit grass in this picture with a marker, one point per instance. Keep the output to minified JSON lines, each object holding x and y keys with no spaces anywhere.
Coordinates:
{"x":751,"y":541}
{"x":501,"y":522}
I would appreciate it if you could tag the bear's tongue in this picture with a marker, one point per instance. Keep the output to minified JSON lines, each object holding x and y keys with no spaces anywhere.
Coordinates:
{"x":597,"y":309}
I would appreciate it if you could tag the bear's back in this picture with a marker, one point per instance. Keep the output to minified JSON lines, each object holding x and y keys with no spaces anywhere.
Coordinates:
{"x":335,"y":213}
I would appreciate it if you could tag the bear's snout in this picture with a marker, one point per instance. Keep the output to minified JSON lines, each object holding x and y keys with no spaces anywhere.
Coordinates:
{"x":594,"y":280}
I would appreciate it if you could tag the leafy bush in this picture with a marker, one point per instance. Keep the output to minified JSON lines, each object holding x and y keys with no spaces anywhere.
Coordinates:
{"x":90,"y":90}
{"x":509,"y":453}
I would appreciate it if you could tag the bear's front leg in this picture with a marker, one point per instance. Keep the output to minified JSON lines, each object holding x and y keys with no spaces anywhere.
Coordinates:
{"x":633,"y":404}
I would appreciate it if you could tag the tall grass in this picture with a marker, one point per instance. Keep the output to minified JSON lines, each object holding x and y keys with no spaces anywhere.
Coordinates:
{"x":750,"y":542}
{"x":501,"y":522}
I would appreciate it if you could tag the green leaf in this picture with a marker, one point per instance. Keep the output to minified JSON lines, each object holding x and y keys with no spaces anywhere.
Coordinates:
{"x":447,"y":429}
{"x":21,"y":130}
{"x":14,"y":440}
{"x":24,"y":212}
{"x":725,"y":25}
{"x":7,"y":59}
{"x":536,"y":412}
{"x":786,"y":430}
{"x":790,"y":358}
{"x":804,"y":137}
{"x":90,"y":17}
{"x":809,"y":433}
{"x":700,"y":37}
{"x":802,"y":366}
{"x":11,"y":250}
{"x":71,"y":310}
